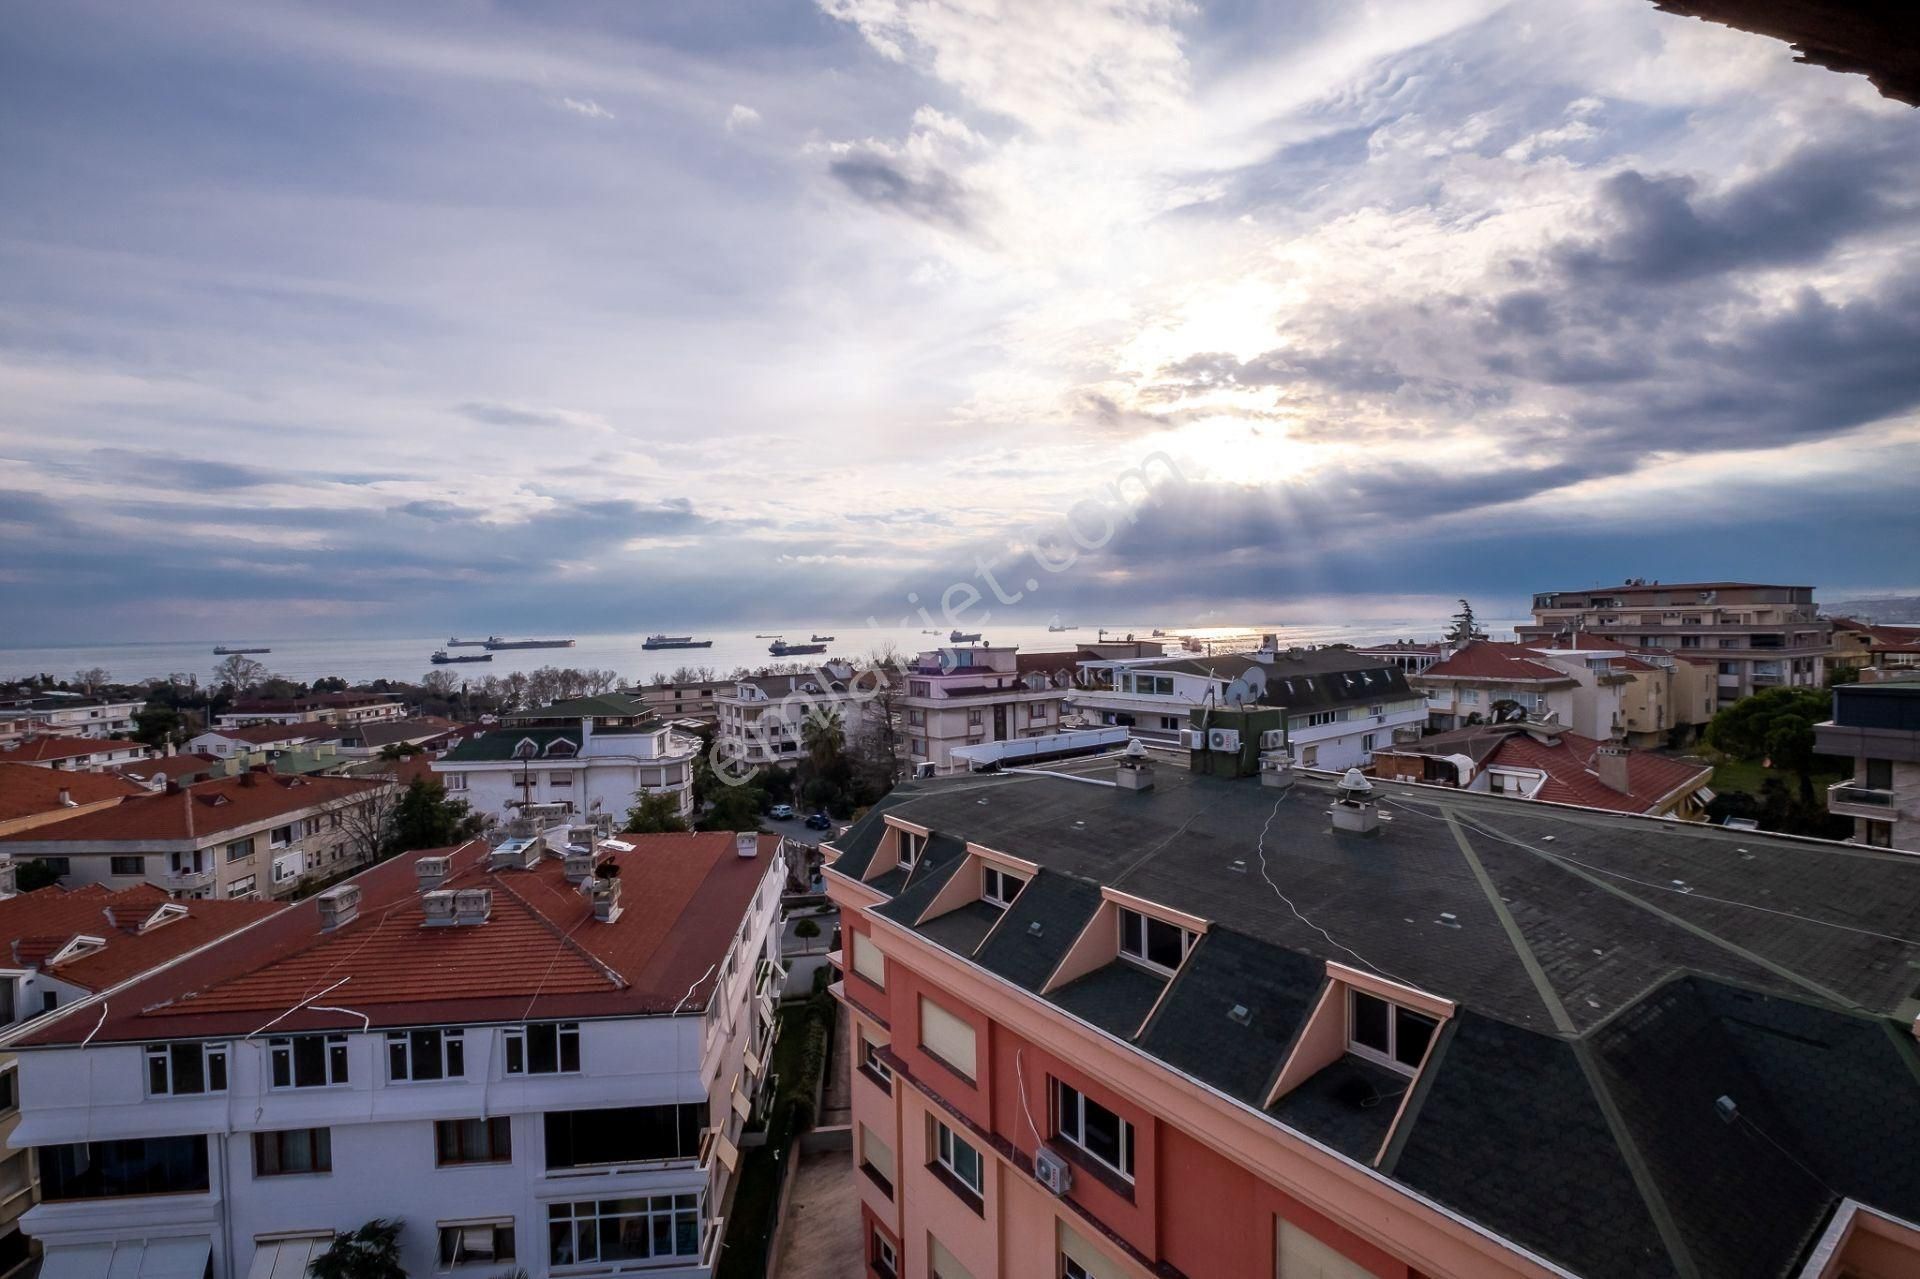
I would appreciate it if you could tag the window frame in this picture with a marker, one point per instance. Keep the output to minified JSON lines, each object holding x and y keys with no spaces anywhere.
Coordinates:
{"x":447,"y":1260}
{"x":1390,"y":1058}
{"x":566,"y":1214}
{"x":498,"y":1141}
{"x":946,"y":1145}
{"x":335,"y":1061}
{"x":1188,"y":939}
{"x":993,"y":882}
{"x":450,"y":1049}
{"x":319,"y":1152}
{"x":517,"y":1042}
{"x":882,"y":1257}
{"x":215,"y":1059}
{"x":117,"y":864}
{"x":878,"y":1071}
{"x":1075,"y":1117}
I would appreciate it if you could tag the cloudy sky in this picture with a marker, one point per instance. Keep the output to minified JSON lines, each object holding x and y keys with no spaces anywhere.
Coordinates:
{"x":336,"y":318}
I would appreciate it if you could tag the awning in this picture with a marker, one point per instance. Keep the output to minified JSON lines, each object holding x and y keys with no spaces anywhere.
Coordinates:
{"x":184,"y":1257}
{"x":286,"y":1258}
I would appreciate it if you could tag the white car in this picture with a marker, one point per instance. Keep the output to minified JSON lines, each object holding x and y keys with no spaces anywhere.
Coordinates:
{"x":780,"y":812}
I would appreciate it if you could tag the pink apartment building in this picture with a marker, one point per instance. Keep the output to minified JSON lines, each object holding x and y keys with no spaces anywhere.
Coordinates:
{"x":1126,"y":1020}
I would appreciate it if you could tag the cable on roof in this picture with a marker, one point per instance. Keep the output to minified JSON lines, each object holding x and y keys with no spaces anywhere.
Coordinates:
{"x":1261,"y":849}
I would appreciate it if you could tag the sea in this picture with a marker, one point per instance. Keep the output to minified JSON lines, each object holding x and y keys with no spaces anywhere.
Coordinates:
{"x":368,"y":658}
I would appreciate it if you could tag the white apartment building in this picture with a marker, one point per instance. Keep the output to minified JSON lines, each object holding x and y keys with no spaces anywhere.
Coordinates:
{"x":73,"y":754}
{"x":965,"y":695}
{"x":1338,"y":706}
{"x":1877,"y":726}
{"x":321,"y":708}
{"x":255,"y":834}
{"x":1647,"y":698}
{"x":763,"y":718}
{"x":265,"y":740}
{"x":70,"y":714}
{"x":590,"y":755}
{"x":488,"y":1045}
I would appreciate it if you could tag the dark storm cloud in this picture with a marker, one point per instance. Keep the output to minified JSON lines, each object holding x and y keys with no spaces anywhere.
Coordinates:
{"x":934,"y":197}
{"x":171,"y":470}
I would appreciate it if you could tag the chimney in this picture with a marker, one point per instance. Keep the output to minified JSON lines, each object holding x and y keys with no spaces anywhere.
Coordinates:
{"x":247,"y":778}
{"x":747,"y":843}
{"x":472,"y":906}
{"x":578,"y":865}
{"x":1136,"y":768}
{"x":339,"y":906}
{"x":1610,"y":766}
{"x":173,"y":786}
{"x":1276,"y":770}
{"x":1354,"y":811}
{"x":514,"y":854}
{"x":433,"y":871}
{"x":66,"y":798}
{"x":603,"y":891}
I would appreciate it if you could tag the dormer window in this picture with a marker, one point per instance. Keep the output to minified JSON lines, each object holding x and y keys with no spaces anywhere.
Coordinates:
{"x":999,"y":887}
{"x":911,"y":846}
{"x":1386,"y":1032}
{"x":562,"y":749}
{"x":526,"y":748}
{"x":1154,"y":943}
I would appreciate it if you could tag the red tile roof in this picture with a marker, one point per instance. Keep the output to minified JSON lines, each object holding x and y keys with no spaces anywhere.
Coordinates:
{"x":1568,"y":764}
{"x":1483,"y":659}
{"x":45,"y":748}
{"x":311,"y":702}
{"x":540,"y":953}
{"x":204,"y":809}
{"x":26,"y":791}
{"x":265,"y":734}
{"x":35,"y":926}
{"x":180,"y":768}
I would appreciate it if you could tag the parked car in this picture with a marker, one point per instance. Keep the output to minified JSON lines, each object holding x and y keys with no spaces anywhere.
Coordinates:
{"x":819,"y":821}
{"x":780,"y":812}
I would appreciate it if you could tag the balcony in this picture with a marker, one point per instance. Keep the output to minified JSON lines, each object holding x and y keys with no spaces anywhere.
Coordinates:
{"x":1846,"y":799}
{"x":186,"y":881}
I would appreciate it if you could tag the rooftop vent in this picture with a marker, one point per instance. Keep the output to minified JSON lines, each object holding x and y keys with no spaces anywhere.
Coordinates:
{"x":603,"y":891}
{"x":515,"y":854}
{"x":1240,"y":1013}
{"x":1355,"y":811}
{"x":472,"y":905}
{"x":579,"y":865}
{"x":747,"y":844}
{"x":433,"y":871}
{"x":339,"y":906}
{"x":1136,"y":768}
{"x":437,"y":905}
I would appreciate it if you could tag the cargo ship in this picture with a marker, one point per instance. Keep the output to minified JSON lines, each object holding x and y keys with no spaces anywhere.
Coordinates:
{"x":823,"y":639}
{"x":495,"y":643}
{"x":963,"y":637}
{"x":221,"y":650}
{"x":780,"y":648}
{"x":675,"y":641}
{"x":443,"y":658}
{"x":457,"y":642}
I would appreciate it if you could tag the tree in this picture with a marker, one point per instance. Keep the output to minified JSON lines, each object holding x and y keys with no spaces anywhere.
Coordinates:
{"x":806,"y":929}
{"x":425,"y":818}
{"x":155,"y":723}
{"x":366,"y":820}
{"x":440,"y":684}
{"x":371,"y":1252}
{"x":91,"y":678}
{"x":1774,"y":726}
{"x":1837,"y":675}
{"x":824,"y":739}
{"x":655,"y":813}
{"x":735,"y":808}
{"x":1465,"y":626}
{"x":329,"y":684}
{"x":238,"y":673}
{"x":34,"y":874}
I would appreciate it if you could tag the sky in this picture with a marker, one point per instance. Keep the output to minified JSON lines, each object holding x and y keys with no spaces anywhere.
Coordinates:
{"x":335,"y":319}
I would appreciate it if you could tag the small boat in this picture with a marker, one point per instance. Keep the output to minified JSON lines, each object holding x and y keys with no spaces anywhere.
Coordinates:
{"x":221,"y":650}
{"x":1159,"y":634}
{"x":495,"y":642}
{"x":823,"y":639}
{"x":675,"y":641}
{"x":457,"y":642}
{"x":443,"y":658}
{"x":929,"y":632}
{"x":780,"y":648}
{"x":1056,"y":625}
{"x":963,"y":637}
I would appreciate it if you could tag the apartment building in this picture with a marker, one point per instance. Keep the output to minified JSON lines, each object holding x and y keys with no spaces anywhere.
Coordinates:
{"x":1759,"y":636}
{"x":490,"y":1045}
{"x":255,"y":834}
{"x":314,"y":708}
{"x":73,"y":754}
{"x":1338,"y":706}
{"x":1185,"y":1025}
{"x":1544,"y":761}
{"x":762,"y":718}
{"x":1877,"y":726}
{"x":66,"y":946}
{"x":1646,"y":698}
{"x":588,"y":755}
{"x":265,"y":740}
{"x":1408,"y":655}
{"x":31,"y":797}
{"x":693,"y":701}
{"x":1866,"y":645}
{"x":965,"y":695}
{"x":69,"y":714}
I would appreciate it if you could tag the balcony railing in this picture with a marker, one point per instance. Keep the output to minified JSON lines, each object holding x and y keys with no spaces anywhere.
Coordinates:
{"x":1849,"y":795}
{"x":186,"y":881}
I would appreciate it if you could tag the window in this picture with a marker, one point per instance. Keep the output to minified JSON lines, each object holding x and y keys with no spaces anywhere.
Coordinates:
{"x":870,"y":1062}
{"x":126,"y":865}
{"x":108,"y":1169}
{"x":296,"y":1150}
{"x":947,"y":1038}
{"x":1093,"y":1129}
{"x":560,"y":781}
{"x":1366,"y":743}
{"x":628,"y":1135}
{"x":242,"y":887}
{"x":421,"y":1055}
{"x":454,"y":781}
{"x":1387,"y":1033}
{"x":1309,"y":757}
{"x":881,"y":1256}
{"x":286,"y":868}
{"x":911,"y":846}
{"x":240,"y":849}
{"x":308,"y":1061}
{"x":916,"y":716}
{"x":281,"y":836}
{"x":9,"y":1094}
{"x":481,"y":1243}
{"x":868,"y":960}
{"x":1469,"y":697}
{"x":973,"y":718}
{"x":473,"y":1141}
{"x":183,"y":1070}
{"x":58,"y":867}
{"x":1071,"y":1269}
{"x":999,"y":887}
{"x":1153,"y":942}
{"x":544,"y":1048}
{"x":876,"y":1159}
{"x":1878,"y":774}
{"x":637,"y":1229}
{"x":957,"y":1157}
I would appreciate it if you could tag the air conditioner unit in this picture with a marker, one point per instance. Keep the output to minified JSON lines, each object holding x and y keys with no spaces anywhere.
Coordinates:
{"x":1223,"y":739}
{"x":1273,"y":739}
{"x":1052,"y":1171}
{"x":1193,"y":739}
